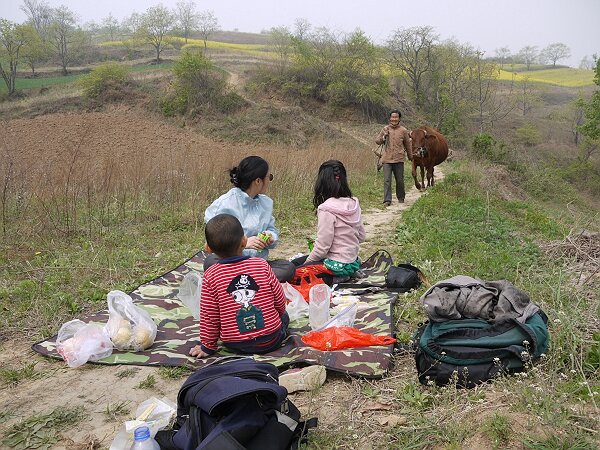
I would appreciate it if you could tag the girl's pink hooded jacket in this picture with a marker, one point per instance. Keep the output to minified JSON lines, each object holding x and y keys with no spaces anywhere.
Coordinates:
{"x":339,"y":230}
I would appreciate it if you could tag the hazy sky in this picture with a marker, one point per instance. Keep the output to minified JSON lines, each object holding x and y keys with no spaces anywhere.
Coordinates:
{"x":486,"y":24}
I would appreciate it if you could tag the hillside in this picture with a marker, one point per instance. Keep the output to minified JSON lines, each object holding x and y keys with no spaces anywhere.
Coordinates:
{"x":106,"y":195}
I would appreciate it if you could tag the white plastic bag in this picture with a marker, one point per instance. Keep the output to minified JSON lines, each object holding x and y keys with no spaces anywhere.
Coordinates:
{"x":128,"y":326}
{"x":154,"y":413}
{"x":79,"y":342}
{"x":297,"y":306}
{"x":189,"y":292}
{"x":318,"y":305}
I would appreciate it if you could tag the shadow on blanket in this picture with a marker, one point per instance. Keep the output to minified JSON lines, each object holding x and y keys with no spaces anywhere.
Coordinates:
{"x":178,"y":331}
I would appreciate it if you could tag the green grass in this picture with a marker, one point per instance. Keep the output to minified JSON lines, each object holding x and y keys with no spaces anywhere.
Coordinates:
{"x":42,"y":82}
{"x":42,"y":430}
{"x":148,"y":383}
{"x":12,"y":376}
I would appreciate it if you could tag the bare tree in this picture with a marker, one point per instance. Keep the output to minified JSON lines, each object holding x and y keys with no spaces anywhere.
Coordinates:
{"x":586,"y":63}
{"x":492,"y":105}
{"x":281,"y":39}
{"x":12,"y":38}
{"x":410,"y":52}
{"x":528,"y":55}
{"x":153,"y":27}
{"x":578,"y":107}
{"x":63,"y":34}
{"x":207,"y":25}
{"x":110,"y":26}
{"x":187,"y":17}
{"x":555,"y":51}
{"x":452,"y":82}
{"x":528,"y":95}
{"x":301,"y":28}
{"x":502,"y":54}
{"x":39,"y":14}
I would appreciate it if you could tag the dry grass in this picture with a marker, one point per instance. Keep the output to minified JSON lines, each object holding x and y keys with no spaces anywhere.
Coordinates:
{"x":100,"y":169}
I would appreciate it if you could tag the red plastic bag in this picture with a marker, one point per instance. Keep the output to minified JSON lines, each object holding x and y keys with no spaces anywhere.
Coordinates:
{"x":306,"y":277}
{"x":337,"y":338}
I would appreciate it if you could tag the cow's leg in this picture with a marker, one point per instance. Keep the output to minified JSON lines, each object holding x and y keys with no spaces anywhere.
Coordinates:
{"x":414,"y":174}
{"x":430,"y":176}
{"x":423,"y":176}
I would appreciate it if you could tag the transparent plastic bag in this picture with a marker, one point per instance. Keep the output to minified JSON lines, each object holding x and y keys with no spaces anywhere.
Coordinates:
{"x":318,"y":305}
{"x":129,"y":327}
{"x":345,"y":318}
{"x":189,"y":292}
{"x":154,"y":413}
{"x":297,"y":306}
{"x":79,"y":342}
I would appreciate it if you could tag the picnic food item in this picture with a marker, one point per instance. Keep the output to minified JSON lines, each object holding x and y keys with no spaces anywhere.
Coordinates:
{"x":129,"y":326}
{"x":264,"y":236}
{"x":78,"y":343}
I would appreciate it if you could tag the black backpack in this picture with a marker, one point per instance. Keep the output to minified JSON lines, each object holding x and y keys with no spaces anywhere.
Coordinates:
{"x":403,"y":278}
{"x":235,"y":403}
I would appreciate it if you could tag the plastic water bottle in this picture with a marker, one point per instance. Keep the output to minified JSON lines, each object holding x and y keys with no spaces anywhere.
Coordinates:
{"x":143,"y":440}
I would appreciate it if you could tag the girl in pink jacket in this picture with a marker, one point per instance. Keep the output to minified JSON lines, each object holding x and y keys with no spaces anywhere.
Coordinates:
{"x":339,"y":223}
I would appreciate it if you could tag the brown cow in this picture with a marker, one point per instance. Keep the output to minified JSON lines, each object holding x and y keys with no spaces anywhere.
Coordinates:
{"x":429,"y":148}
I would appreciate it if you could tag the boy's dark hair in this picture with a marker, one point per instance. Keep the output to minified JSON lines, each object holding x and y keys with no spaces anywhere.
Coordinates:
{"x":224,"y":234}
{"x":331,"y":182}
{"x":395,"y":111}
{"x":248,"y":170}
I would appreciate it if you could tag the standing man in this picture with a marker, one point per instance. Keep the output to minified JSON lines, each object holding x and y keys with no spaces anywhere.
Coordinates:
{"x":397,"y":141}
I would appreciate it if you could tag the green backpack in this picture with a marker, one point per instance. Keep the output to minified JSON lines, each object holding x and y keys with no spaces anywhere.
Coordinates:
{"x":472,"y":351}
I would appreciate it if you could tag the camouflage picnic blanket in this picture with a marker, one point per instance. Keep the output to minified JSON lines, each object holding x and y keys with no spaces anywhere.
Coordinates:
{"x":178,"y":331}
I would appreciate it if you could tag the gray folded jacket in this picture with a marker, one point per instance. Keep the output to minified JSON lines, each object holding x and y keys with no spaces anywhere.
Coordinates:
{"x":470,"y":298}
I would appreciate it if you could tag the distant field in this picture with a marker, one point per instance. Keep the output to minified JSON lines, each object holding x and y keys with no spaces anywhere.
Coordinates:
{"x":563,"y":76}
{"x":257,"y":49}
{"x":37,"y":83}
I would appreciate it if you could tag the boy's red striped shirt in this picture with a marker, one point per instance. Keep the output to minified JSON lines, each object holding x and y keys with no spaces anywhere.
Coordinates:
{"x":219,"y":311}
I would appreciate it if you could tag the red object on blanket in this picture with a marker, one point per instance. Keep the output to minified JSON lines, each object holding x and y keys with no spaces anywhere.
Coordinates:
{"x":337,"y":338}
{"x":306,"y":277}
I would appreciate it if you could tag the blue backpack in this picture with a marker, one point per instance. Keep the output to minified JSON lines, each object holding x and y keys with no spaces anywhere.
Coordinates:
{"x":235,"y":403}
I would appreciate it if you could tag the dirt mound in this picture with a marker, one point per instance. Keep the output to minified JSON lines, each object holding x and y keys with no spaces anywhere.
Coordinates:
{"x":119,"y":134}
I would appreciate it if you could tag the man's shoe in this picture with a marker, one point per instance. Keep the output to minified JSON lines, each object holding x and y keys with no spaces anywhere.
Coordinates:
{"x":304,"y":379}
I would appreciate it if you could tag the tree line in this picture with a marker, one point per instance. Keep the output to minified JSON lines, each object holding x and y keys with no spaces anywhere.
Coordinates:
{"x":54,"y":34}
{"x":447,"y":83}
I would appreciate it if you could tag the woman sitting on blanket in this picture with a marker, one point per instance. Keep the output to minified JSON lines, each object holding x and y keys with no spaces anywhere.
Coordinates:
{"x":339,"y":222}
{"x":248,"y":203}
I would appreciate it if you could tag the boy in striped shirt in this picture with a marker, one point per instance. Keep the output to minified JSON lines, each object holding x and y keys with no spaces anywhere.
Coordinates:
{"x":241,"y":303}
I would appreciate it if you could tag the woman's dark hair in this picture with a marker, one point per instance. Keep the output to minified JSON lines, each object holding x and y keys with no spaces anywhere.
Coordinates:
{"x":331,"y":182}
{"x":248,"y":170}
{"x":395,"y":111}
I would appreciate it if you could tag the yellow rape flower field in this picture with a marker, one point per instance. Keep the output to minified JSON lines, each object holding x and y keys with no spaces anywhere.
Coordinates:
{"x":563,"y":76}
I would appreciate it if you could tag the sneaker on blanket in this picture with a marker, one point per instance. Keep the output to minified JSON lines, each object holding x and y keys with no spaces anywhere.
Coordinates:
{"x":304,"y":379}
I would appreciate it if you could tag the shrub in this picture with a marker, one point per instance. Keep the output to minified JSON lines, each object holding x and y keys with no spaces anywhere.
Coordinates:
{"x":483,"y":143}
{"x":199,"y":86}
{"x":528,"y":134}
{"x":109,"y":76}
